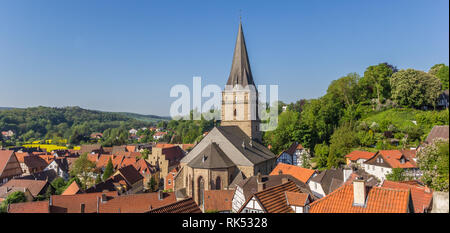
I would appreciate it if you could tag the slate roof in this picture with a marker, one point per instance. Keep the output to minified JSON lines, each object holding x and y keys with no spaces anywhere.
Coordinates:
{"x":329,"y":179}
{"x":211,"y":157}
{"x":130,"y":174}
{"x":218,"y":200}
{"x":48,"y":175}
{"x":421,"y":196}
{"x":240,"y":68}
{"x":379,"y":200}
{"x":438,"y":131}
{"x":183,"y":206}
{"x":302,"y":174}
{"x":238,"y":178}
{"x":63,"y":164}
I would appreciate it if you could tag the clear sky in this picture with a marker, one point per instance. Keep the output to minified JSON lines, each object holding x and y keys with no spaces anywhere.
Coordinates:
{"x":116,"y":55}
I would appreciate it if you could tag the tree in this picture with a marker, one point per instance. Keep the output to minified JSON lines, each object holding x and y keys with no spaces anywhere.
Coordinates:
{"x":83,"y":168}
{"x":152,"y":184}
{"x":414,"y":88}
{"x":442,"y":72}
{"x":345,"y":89}
{"x":287,"y":131}
{"x":433,"y":160}
{"x":109,"y":170}
{"x":341,"y":143}
{"x":15,"y":197}
{"x":59,"y":185}
{"x":397,"y":174}
{"x":376,"y":81}
{"x":321,"y":152}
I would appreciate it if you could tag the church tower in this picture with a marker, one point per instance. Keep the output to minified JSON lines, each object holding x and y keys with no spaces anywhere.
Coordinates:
{"x":240,"y":97}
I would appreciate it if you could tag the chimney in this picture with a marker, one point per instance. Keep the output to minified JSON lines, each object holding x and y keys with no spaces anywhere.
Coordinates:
{"x":160,"y":195}
{"x":82,"y":208}
{"x":359,"y":192}
{"x":280,"y":172}
{"x":260,"y":184}
{"x":284,"y":180}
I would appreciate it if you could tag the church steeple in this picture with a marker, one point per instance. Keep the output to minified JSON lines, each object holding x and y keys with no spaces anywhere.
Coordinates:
{"x":240,"y":69}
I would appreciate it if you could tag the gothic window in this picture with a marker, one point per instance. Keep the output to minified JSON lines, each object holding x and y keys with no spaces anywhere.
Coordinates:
{"x":201,"y":189}
{"x":218,"y":183}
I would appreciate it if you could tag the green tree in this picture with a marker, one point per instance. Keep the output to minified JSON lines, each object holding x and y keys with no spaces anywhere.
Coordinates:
{"x":321,"y":152}
{"x":397,"y":174}
{"x":442,"y":72}
{"x":433,"y":160}
{"x":152,"y":184}
{"x":414,"y":88}
{"x":83,"y":169}
{"x":59,"y":184}
{"x":109,"y":170}
{"x":376,"y":81}
{"x":14,"y":197}
{"x":345,"y":89}
{"x":287,"y":131}
{"x":341,"y":143}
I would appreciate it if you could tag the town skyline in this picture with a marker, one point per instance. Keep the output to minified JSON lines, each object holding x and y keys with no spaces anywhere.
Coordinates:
{"x":140,"y":51}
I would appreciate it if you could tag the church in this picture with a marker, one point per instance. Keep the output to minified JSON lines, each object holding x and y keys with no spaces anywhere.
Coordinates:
{"x":233,"y":151}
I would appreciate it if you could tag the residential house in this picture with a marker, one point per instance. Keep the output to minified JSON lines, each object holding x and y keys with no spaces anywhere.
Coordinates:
{"x":147,"y":171}
{"x":443,"y":100}
{"x":384,"y":161}
{"x":72,"y":189}
{"x":186,"y":206}
{"x":132,"y":131}
{"x":136,"y":203}
{"x":91,"y":149}
{"x":326,"y":182}
{"x":35,"y":187}
{"x":126,"y":180}
{"x":78,"y":203}
{"x":288,"y":156}
{"x":220,"y":201}
{"x":248,"y":186}
{"x":60,"y":166}
{"x":438,"y":131}
{"x":6,"y":191}
{"x":96,"y":135}
{"x":358,"y":157}
{"x":159,"y":135}
{"x":29,"y":207}
{"x":21,"y":158}
{"x":301,"y":174}
{"x":34,"y":164}
{"x":9,"y":166}
{"x":421,"y":196}
{"x":169,"y":179}
{"x":283,"y":198}
{"x":48,"y":175}
{"x":358,"y":198}
{"x":166,"y":158}
{"x":7,"y":134}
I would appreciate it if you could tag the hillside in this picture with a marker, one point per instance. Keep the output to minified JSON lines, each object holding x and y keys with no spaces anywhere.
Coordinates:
{"x":68,"y":122}
{"x":141,"y":117}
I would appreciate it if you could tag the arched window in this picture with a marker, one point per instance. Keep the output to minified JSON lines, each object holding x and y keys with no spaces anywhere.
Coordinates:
{"x":218,"y":183}
{"x":234,"y":112}
{"x":201,"y":189}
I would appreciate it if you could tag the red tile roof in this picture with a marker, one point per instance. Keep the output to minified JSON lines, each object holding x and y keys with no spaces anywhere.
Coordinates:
{"x":20,"y":156}
{"x":183,"y":206}
{"x":34,"y":186}
{"x":393,"y":157}
{"x":421,"y":196}
{"x":72,"y":189}
{"x":72,"y":203}
{"x":296,"y":199}
{"x":357,"y":154}
{"x":136,"y":203}
{"x":379,"y":200}
{"x":218,"y":200}
{"x":5,"y":155}
{"x":302,"y":174}
{"x":29,"y":207}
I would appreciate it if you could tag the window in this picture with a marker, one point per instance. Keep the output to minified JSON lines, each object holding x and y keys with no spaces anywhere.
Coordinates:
{"x":169,"y":182}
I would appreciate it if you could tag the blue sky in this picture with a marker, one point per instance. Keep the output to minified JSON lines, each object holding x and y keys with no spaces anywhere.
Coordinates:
{"x":116,"y":55}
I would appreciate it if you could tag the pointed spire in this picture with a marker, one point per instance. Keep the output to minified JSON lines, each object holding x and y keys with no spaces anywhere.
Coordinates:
{"x":240,"y":68}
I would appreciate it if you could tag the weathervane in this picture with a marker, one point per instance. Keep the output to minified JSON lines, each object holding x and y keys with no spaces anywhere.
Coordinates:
{"x":240,"y":15}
